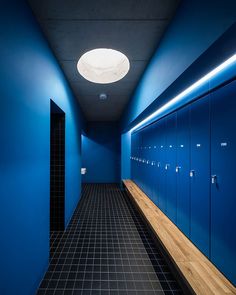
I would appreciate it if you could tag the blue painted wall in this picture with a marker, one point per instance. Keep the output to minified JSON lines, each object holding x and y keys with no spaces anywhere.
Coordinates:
{"x":194,"y":28}
{"x":125,"y":155}
{"x":29,"y":78}
{"x":101,"y":146}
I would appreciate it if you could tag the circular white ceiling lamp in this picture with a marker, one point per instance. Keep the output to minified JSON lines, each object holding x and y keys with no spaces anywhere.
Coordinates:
{"x":103,"y":65}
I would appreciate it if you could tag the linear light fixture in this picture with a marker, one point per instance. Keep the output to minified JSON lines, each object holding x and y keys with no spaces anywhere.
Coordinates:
{"x":183,"y":94}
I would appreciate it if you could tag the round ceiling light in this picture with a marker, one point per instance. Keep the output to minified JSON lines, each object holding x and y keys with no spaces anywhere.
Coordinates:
{"x":103,"y":65}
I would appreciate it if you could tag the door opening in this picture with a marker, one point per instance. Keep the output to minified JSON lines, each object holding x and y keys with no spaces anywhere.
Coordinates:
{"x":57,"y":169}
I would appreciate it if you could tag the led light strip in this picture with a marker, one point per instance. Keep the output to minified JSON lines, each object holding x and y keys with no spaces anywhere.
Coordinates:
{"x":180,"y":96}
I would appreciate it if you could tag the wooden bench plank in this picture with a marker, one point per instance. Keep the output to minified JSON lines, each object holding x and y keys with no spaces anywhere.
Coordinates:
{"x":202,"y":276}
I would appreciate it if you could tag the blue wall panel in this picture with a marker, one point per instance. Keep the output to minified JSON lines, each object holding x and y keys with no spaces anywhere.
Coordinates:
{"x":29,"y":78}
{"x":101,"y":146}
{"x":223,"y":190}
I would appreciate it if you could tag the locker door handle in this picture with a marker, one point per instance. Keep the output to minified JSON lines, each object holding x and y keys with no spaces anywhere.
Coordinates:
{"x":159,"y":164}
{"x":192,"y":173}
{"x":177,"y":169}
{"x":167,"y":166}
{"x":213,"y":179}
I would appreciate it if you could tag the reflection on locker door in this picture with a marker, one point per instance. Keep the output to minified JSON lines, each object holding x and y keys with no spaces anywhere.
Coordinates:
{"x":170,"y":167}
{"x":182,"y":170}
{"x":223,"y":187}
{"x":200,"y":174}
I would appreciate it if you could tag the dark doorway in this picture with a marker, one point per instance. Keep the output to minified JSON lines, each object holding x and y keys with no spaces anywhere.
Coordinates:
{"x":57,"y":169}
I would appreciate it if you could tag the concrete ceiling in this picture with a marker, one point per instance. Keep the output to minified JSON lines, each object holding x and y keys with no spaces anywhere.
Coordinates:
{"x":134,"y":27}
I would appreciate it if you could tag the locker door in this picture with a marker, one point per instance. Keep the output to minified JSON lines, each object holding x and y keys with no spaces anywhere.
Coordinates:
{"x":161,"y":164}
{"x":136,"y":151}
{"x":144,"y":165}
{"x":182,"y":170}
{"x":134,"y":148}
{"x":139,"y":172}
{"x":133,"y":152}
{"x":139,"y":168}
{"x":170,"y":167}
{"x":147,"y":162}
{"x":223,"y":187}
{"x":140,"y":163}
{"x":200,"y":174}
{"x":150,"y":162}
{"x":155,"y":159}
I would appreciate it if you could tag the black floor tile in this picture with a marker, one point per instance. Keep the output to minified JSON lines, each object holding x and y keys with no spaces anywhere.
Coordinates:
{"x":106,"y":249}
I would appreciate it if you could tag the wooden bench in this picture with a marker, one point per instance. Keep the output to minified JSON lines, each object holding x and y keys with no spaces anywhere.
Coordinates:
{"x":201,"y":276}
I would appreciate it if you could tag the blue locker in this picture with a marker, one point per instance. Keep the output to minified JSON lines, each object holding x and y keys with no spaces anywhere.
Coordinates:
{"x":138,"y":170}
{"x":161,"y":165}
{"x":136,"y":149}
{"x":223,"y":184}
{"x":138,"y":152}
{"x":156,"y":161}
{"x":141,"y":163}
{"x":144,"y":162}
{"x":149,"y":175}
{"x":133,"y":152}
{"x":182,"y":170}
{"x":170,"y":167}
{"x":200,"y":174}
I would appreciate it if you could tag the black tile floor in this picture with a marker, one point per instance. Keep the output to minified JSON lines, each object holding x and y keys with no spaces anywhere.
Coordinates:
{"x":106,"y":249}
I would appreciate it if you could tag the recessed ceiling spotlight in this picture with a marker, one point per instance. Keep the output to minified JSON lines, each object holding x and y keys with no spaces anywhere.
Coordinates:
{"x":103,"y":65}
{"x":103,"y":96}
